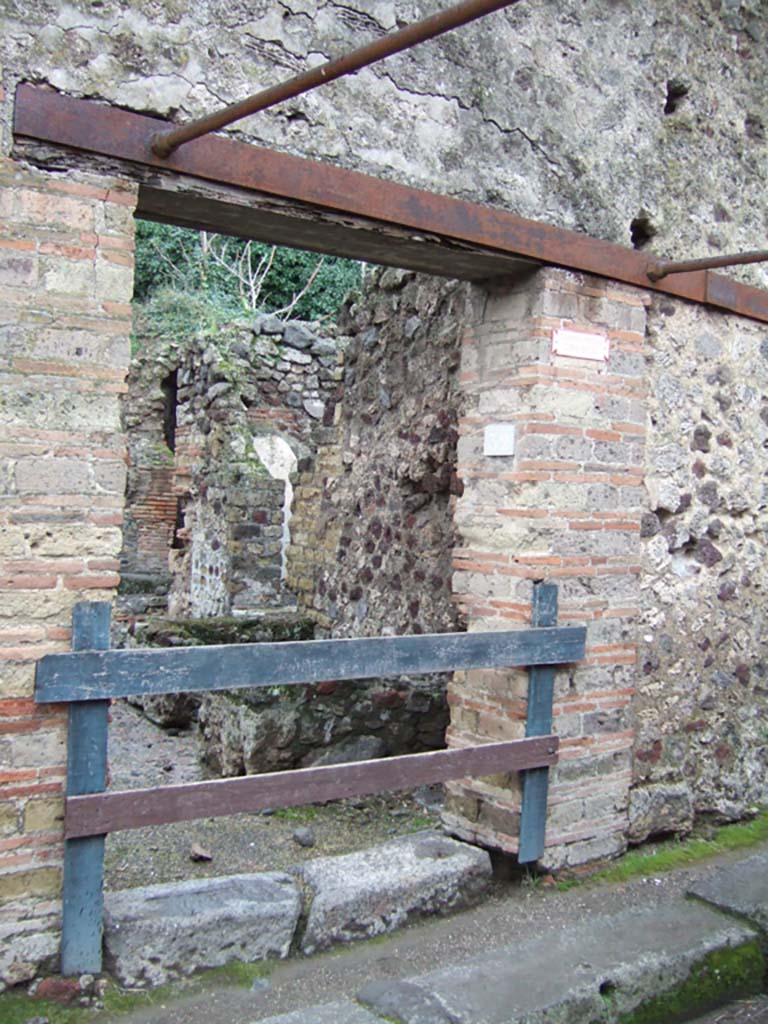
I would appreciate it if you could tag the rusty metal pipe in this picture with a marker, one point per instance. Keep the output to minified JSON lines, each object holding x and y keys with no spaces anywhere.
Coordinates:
{"x":658,"y":269}
{"x":164,"y":143}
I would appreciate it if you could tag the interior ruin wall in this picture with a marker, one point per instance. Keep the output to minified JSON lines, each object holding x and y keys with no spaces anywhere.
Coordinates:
{"x":215,"y":426}
{"x":605,"y":115}
{"x":373,"y":532}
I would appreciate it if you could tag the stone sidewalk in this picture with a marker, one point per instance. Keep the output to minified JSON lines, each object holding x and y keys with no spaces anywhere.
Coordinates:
{"x":678,"y":959}
{"x":668,"y":948}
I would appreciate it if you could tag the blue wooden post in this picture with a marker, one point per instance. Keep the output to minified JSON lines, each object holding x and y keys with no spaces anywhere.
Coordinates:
{"x":86,"y":773}
{"x":541,"y":687}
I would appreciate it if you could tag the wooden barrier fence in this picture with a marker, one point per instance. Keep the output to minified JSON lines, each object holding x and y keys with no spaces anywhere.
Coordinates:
{"x":92,"y":674}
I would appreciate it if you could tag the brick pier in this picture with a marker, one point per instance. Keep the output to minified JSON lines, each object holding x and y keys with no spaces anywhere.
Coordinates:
{"x":66,"y":279}
{"x":565,"y":507}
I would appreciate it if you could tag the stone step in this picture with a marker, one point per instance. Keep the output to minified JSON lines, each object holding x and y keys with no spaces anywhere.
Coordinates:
{"x":373,"y":892}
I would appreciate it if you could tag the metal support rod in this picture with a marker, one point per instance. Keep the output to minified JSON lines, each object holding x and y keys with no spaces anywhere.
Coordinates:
{"x":661,"y":268}
{"x":164,"y":143}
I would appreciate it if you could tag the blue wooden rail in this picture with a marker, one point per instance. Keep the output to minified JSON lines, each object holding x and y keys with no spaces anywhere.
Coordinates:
{"x":91,"y":674}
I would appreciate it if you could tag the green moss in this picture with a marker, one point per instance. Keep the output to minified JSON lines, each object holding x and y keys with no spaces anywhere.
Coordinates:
{"x":130,"y":584}
{"x":300,"y":815}
{"x":162,"y":454}
{"x":723,"y":975}
{"x":419,"y":822}
{"x":657,"y":858}
{"x":16,"y":1007}
{"x":238,"y":973}
{"x":228,"y":630}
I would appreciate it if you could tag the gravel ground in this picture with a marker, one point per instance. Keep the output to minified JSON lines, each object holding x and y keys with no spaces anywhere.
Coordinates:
{"x":142,"y":755}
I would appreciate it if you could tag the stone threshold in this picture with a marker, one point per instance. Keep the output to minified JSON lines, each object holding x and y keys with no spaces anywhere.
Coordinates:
{"x":157,"y":933}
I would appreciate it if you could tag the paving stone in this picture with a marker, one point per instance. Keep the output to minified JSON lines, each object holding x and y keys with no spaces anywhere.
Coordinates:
{"x":371,"y":892}
{"x":402,"y":1000}
{"x":738,"y":889}
{"x":597,"y":971}
{"x":159,"y":932}
{"x":330,"y":1013}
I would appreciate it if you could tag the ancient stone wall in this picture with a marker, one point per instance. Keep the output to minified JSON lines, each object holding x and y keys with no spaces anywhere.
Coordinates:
{"x":590,"y":115}
{"x":582,"y":113}
{"x":65,"y":282}
{"x":152,"y":506}
{"x":702,"y":703}
{"x":371,"y":536}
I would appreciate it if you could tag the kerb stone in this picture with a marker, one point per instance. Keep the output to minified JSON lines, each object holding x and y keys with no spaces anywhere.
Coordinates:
{"x":604,"y":969}
{"x":328,"y":1013}
{"x":159,"y":932}
{"x":740,"y":889}
{"x":372,"y":892}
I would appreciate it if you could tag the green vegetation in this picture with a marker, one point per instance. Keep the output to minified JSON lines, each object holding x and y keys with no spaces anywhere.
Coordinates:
{"x":656,"y":858}
{"x":16,"y":1007}
{"x":173,"y":314}
{"x":227,"y":277}
{"x":419,"y":822}
{"x":723,"y":975}
{"x":222,"y":630}
{"x":299,"y":815}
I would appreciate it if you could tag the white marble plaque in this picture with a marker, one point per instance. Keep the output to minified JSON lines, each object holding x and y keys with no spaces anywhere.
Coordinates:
{"x":580,"y":344}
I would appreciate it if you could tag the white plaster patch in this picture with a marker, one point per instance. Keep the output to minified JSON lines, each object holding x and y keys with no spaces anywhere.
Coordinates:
{"x":499,"y":439}
{"x":280,"y":462}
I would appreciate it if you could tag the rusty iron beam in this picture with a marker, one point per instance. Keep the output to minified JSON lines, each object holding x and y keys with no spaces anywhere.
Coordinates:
{"x":97,"y":129}
{"x":660,"y":269}
{"x":166,"y":142}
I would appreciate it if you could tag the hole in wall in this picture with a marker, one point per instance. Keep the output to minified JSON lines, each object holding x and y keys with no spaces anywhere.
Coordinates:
{"x":676,"y":93}
{"x":641,"y":230}
{"x":177,"y":543}
{"x":754,"y":126}
{"x":170,"y":388}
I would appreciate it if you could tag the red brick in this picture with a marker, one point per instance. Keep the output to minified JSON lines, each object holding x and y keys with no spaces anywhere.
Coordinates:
{"x":16,"y":792}
{"x":21,"y":245}
{"x":29,"y":653}
{"x":18,"y":775}
{"x":76,"y":188}
{"x":71,"y":252}
{"x":27,"y":581}
{"x":106,"y":581}
{"x":122,"y":197}
{"x":30,"y":842}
